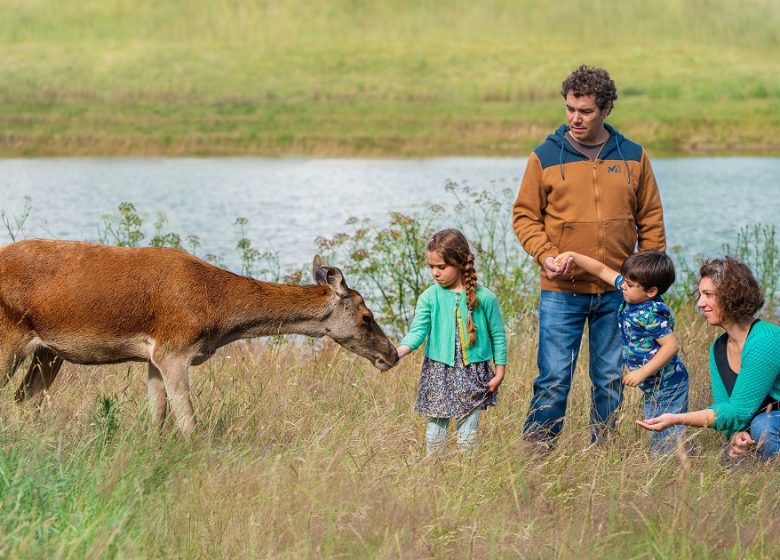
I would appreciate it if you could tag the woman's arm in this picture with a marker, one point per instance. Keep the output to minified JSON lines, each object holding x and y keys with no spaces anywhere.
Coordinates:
{"x":700,"y":419}
{"x":591,"y":266}
{"x":757,"y":377}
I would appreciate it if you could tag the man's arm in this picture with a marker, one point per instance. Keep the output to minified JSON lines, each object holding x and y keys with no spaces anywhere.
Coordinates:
{"x":528,"y":213}
{"x":649,"y":214}
{"x":528,"y":220}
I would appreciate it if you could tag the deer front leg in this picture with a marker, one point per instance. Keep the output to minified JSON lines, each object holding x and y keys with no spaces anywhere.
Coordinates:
{"x":155,"y":387}
{"x":173,"y":369}
{"x":40,"y":375}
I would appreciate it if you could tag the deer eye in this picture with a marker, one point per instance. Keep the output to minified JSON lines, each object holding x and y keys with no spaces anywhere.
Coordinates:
{"x":367,"y":319}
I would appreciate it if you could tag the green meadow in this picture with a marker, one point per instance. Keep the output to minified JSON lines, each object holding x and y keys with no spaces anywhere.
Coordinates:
{"x":306,"y":451}
{"x":385,"y":78}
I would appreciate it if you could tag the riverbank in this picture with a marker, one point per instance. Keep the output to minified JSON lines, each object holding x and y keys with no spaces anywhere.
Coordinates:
{"x":389,"y":79}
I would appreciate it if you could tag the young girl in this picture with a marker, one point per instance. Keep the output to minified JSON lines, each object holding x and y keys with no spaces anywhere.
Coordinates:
{"x":463,"y":325}
{"x":649,"y":345}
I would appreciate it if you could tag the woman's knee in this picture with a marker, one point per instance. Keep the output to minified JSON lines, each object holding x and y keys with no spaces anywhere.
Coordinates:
{"x":765,"y":431}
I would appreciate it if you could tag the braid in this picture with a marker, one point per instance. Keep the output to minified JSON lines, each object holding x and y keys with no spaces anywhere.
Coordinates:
{"x":470,"y":282}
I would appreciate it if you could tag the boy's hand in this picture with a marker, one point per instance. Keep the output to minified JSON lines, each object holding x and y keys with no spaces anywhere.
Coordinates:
{"x":633,"y":378}
{"x":563,"y":259}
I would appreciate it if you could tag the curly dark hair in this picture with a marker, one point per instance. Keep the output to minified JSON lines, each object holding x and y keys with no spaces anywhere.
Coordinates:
{"x":737,"y":291}
{"x":652,"y":269}
{"x":588,"y":80}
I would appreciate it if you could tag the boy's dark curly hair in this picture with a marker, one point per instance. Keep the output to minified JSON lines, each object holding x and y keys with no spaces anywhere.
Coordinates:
{"x":587,"y":80}
{"x":651,"y":268}
{"x":737,"y":291}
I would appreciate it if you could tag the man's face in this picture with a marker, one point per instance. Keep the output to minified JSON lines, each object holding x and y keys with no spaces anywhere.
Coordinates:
{"x":585,"y":119}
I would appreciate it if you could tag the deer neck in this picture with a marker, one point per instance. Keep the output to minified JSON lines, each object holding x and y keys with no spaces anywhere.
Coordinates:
{"x":257,"y":308}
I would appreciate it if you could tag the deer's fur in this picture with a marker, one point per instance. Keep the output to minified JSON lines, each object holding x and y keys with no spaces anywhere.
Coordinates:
{"x":95,"y":304}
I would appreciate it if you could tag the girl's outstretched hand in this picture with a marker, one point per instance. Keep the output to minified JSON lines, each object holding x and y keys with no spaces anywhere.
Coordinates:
{"x":402,"y":351}
{"x":659,"y":423}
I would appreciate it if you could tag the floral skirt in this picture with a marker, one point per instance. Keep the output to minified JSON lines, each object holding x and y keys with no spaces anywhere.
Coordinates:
{"x":454,"y":391}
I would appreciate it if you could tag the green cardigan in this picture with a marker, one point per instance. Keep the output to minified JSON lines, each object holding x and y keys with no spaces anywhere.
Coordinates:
{"x":758,"y":377}
{"x":435,"y":319}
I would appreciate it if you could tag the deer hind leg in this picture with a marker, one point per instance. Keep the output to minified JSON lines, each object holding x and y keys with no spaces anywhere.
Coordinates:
{"x":155,"y":387}
{"x":40,"y":375}
{"x":173,"y":368}
{"x":12,"y":353}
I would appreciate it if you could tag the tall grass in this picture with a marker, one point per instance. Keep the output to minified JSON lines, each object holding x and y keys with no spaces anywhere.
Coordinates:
{"x":379,"y":78}
{"x":304,"y":451}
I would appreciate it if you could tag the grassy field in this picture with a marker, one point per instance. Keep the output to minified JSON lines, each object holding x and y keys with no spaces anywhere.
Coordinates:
{"x":306,"y":451}
{"x":386,"y":78}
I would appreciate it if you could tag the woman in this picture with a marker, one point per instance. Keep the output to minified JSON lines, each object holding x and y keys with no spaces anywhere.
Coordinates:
{"x":744,"y":364}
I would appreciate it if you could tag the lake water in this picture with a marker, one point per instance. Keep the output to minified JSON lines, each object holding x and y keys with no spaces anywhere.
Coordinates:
{"x":289,"y":202}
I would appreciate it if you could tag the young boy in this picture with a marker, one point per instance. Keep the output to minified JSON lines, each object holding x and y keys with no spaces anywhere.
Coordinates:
{"x":649,"y":345}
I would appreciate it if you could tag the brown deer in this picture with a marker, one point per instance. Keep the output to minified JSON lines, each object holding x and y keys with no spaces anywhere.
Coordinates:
{"x":96,"y":304}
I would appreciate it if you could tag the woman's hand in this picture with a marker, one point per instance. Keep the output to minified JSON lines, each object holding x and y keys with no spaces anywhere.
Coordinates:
{"x":659,"y":423}
{"x":740,"y":443}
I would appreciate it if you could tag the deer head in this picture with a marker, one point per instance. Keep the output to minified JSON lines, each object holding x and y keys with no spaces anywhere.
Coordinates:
{"x":350,"y":322}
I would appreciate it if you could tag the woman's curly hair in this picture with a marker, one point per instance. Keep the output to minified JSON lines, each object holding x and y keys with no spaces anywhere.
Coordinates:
{"x":736,"y":289}
{"x":454,"y":249}
{"x":587,"y":80}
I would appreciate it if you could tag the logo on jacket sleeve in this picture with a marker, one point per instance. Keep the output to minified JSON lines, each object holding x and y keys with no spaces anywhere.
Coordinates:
{"x":613,"y":169}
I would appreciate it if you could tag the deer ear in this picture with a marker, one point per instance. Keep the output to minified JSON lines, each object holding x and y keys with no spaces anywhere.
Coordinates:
{"x":329,"y":276}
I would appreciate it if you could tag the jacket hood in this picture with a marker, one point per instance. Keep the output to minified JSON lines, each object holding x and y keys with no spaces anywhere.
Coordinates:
{"x":570,"y":153}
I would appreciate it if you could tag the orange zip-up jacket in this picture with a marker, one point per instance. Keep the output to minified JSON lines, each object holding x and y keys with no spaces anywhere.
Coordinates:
{"x":602,"y":208}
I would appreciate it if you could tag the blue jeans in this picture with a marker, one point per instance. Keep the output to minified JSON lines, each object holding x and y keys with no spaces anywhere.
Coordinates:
{"x":562,"y":318}
{"x":673,"y":399}
{"x":436,"y":433}
{"x":765,"y":430}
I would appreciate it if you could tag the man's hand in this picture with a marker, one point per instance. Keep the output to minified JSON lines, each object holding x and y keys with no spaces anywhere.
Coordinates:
{"x":553,"y":270}
{"x":740,"y":443}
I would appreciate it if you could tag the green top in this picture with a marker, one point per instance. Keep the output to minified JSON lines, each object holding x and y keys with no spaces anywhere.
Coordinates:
{"x":758,"y":377}
{"x":435,"y":319}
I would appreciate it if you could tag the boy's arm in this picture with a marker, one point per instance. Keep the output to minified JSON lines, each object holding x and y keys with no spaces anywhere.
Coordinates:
{"x":592,"y":266}
{"x":666,"y":352}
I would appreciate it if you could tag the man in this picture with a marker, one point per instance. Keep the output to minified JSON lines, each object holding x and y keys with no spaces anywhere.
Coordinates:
{"x":586,"y":189}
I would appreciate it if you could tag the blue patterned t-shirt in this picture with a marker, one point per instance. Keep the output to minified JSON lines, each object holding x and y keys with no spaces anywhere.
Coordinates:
{"x":641,"y":325}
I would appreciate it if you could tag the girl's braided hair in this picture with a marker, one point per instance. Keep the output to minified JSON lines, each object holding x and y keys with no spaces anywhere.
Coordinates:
{"x":454,"y":249}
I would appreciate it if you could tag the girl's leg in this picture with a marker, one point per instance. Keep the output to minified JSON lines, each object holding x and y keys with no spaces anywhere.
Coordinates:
{"x":765,"y":429}
{"x":436,"y":435}
{"x":467,"y":431}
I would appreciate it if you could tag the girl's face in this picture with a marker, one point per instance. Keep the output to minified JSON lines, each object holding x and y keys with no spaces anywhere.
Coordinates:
{"x":446,"y":275}
{"x":708,"y":302}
